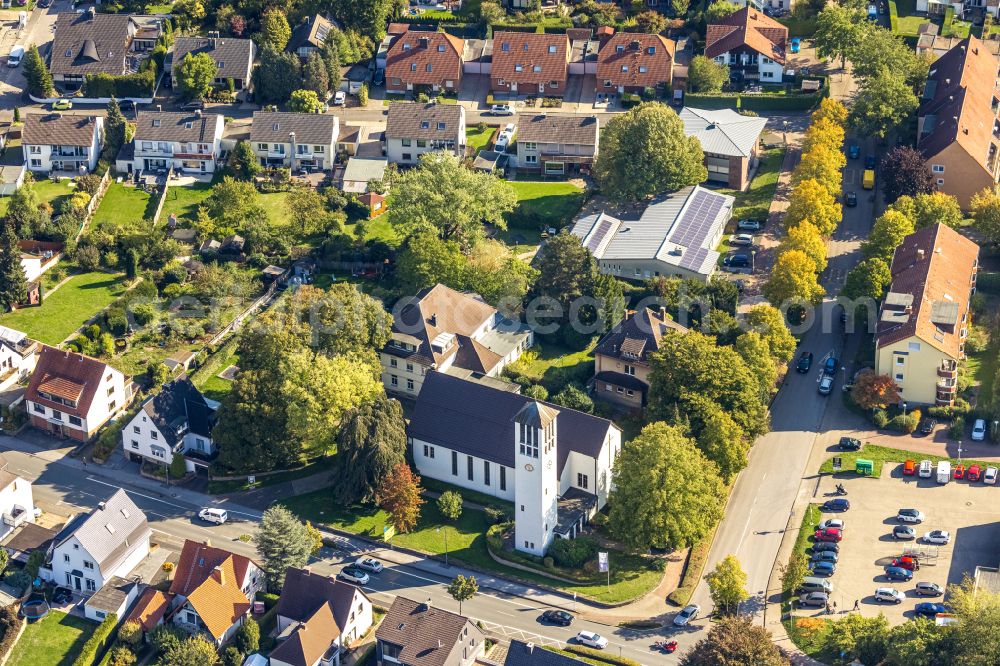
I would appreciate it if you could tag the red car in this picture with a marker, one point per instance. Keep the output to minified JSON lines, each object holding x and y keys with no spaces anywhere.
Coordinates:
{"x":910,"y":467}
{"x":959,"y":471}
{"x":829,"y":534}
{"x":906,"y":562}
{"x":973,"y":473}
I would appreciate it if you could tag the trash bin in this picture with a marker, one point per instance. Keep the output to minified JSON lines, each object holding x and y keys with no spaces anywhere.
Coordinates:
{"x":865,"y":467}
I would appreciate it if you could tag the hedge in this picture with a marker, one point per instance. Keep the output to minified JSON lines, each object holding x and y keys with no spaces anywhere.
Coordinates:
{"x":893,"y":16}
{"x":599,"y":656}
{"x":98,"y":641}
{"x":988,"y":282}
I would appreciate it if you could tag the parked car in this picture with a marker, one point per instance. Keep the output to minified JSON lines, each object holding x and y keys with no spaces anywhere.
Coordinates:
{"x":689,"y":613}
{"x":379,"y":77}
{"x":869,"y":161}
{"x":824,"y":556}
{"x":849,"y":444}
{"x":906,"y":562}
{"x":928,"y":609}
{"x":501,"y":110}
{"x":926,"y":589}
{"x":825,"y":385}
{"x":213,"y":515}
{"x":504,"y":138}
{"x":851,"y":199}
{"x":959,"y":471}
{"x":854,"y":151}
{"x":369,"y":564}
{"x":62,"y":595}
{"x":591,"y":639}
{"x":340,"y":98}
{"x":749,"y":225}
{"x":831,"y":522}
{"x":978,"y":429}
{"x":909,"y":468}
{"x":796,"y":43}
{"x":741,"y":239}
{"x":973,"y":474}
{"x":837,"y":504}
{"x":16,"y":56}
{"x":822,"y":568}
{"x":990,"y":476}
{"x":910,"y":516}
{"x":830,"y":534}
{"x":903,"y":533}
{"x":926,"y":469}
{"x":830,"y":367}
{"x":44,"y":4}
{"x":805,"y":362}
{"x":560,"y":617}
{"x":825,"y":547}
{"x":737,"y":261}
{"x":194,"y":105}
{"x":898,"y":573}
{"x":927,"y":426}
{"x":937,"y":537}
{"x":353,"y":575}
{"x":889,"y":594}
{"x":818,"y":599}
{"x":62,"y":104}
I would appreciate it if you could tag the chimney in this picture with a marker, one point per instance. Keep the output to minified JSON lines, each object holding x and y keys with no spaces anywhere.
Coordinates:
{"x":440,"y":644}
{"x":159,"y":108}
{"x":100,"y":506}
{"x":219,"y":577}
{"x":529,"y":647}
{"x":197,"y":112}
{"x":636,"y":45}
{"x":433,"y":320}
{"x":663,"y":312}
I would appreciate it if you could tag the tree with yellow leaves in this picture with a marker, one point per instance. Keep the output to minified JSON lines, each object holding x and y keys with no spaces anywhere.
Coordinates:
{"x":824,"y":132}
{"x":832,"y":110}
{"x":814,"y":202}
{"x":793,"y":279}
{"x":806,"y":238}
{"x":823,"y":164}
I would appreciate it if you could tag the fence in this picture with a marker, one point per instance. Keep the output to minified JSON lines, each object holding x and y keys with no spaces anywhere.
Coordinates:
{"x":236,"y":323}
{"x":94,"y":202}
{"x":163,"y":196}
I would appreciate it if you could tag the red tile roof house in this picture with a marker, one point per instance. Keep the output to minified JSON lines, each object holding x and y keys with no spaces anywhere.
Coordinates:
{"x":424,"y":59}
{"x":631,"y":62}
{"x":750,"y":43}
{"x":72,"y":395}
{"x":527,"y":63}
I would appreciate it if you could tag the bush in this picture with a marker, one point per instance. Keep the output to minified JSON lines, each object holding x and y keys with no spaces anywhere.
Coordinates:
{"x":572,"y":553}
{"x":10,"y":625}
{"x":957,"y":428}
{"x":494,"y":536}
{"x":35,"y":561}
{"x":95,"y":645}
{"x":121,"y":655}
{"x":949,"y":412}
{"x":18,"y":579}
{"x":89,"y":183}
{"x":143,"y":313}
{"x":548,"y":563}
{"x":130,"y":633}
{"x":270,"y":600}
{"x":600,"y":656}
{"x":494,"y":514}
{"x":247,"y":637}
{"x":106,"y":442}
{"x":880,"y":419}
{"x":166,"y":637}
{"x":904,"y":423}
{"x":231,"y":656}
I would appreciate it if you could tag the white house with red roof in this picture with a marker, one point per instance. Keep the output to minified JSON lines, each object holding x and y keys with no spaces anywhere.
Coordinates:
{"x":751,"y":43}
{"x":72,"y":395}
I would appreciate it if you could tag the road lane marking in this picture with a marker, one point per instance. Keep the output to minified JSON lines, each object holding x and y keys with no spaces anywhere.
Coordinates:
{"x":163,"y":501}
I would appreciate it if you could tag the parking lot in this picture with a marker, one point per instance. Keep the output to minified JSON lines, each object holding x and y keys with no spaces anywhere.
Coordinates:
{"x":969,"y":512}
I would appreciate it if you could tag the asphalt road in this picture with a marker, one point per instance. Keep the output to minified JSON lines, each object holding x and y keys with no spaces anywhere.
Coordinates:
{"x":41,"y":26}
{"x":63,"y":488}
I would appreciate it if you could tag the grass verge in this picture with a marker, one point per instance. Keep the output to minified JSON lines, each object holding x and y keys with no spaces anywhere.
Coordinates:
{"x":808,"y":633}
{"x":881,"y":455}
{"x":697,"y":558}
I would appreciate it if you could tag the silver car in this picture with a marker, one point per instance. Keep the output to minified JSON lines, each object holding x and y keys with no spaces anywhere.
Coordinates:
{"x":814,"y":599}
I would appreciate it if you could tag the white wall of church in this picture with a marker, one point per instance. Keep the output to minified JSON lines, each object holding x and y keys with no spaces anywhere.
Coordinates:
{"x":435,"y":462}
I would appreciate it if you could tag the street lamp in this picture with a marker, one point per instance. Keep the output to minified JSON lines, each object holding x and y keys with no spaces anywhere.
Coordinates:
{"x":959,"y":452}
{"x":904,"y":408}
{"x":844,"y":368}
{"x":784,"y":133}
{"x":445,"y":546}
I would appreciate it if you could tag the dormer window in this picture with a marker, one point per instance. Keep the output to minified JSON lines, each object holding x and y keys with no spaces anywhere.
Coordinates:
{"x":425,"y":124}
{"x":505,"y":47}
{"x":413,"y":67}
{"x":624,"y":68}
{"x":552,"y":48}
{"x":274,"y":127}
{"x":619,"y":49}
{"x":430,"y":67}
{"x":441,"y":126}
{"x":69,"y":53}
{"x":518,"y":68}
{"x":642,"y":70}
{"x":651,"y":50}
{"x":156,"y":122}
{"x":188,"y":125}
{"x":536,"y":68}
{"x":222,"y":63}
{"x":440,"y":48}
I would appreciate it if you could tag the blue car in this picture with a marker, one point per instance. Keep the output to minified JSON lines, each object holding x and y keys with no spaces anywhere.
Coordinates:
{"x":824,"y":556}
{"x":927,"y":609}
{"x":796,"y":42}
{"x":854,"y":151}
{"x":839,"y":504}
{"x":830,"y":367}
{"x":869,"y":161}
{"x":898,"y":573}
{"x":823,"y":568}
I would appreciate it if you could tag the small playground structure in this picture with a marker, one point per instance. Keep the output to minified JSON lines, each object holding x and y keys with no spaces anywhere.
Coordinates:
{"x":34,"y":609}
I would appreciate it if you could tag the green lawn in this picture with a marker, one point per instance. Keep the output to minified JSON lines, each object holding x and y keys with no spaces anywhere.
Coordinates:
{"x":880,"y":455}
{"x":56,"y":640}
{"x":138,"y":358}
{"x":215,"y":387}
{"x":67,"y":309}
{"x":184,"y":200}
{"x":48,"y":191}
{"x":755,"y":203}
{"x":122,"y":205}
{"x":466,"y":541}
{"x":276,"y":205}
{"x":907,"y":20}
{"x":477,"y":139}
{"x":554,"y":366}
{"x":377,"y":229}
{"x":546,"y":203}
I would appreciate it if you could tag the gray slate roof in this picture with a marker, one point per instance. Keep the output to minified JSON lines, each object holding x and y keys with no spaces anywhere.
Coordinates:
{"x":428,"y":635}
{"x":177,"y":405}
{"x":571,"y":129}
{"x":723,"y":131}
{"x":55,"y":129}
{"x":311,"y":32}
{"x":676,"y":229}
{"x":478,"y":420}
{"x":413,"y":120}
{"x":236,"y":55}
{"x":111,"y":532}
{"x":313,"y":128}
{"x":173,"y":126}
{"x":520,"y":653}
{"x":95,"y":43}
{"x":304,"y":592}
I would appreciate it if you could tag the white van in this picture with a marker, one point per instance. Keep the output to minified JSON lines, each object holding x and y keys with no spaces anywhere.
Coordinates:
{"x":212,"y":515}
{"x":925,"y":469}
{"x":16,"y":56}
{"x":943,"y":471}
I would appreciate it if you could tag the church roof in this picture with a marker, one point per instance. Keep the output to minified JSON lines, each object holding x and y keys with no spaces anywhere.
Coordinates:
{"x":536,"y":415}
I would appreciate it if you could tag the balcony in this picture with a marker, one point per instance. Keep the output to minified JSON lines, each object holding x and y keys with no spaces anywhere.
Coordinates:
{"x":17,"y":516}
{"x":947,"y":387}
{"x":944,"y":400}
{"x":948,"y":370}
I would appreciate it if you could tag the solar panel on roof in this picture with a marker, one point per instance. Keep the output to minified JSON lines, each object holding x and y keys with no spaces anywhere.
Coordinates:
{"x":693,"y":259}
{"x":698,"y":218}
{"x":599,"y":233}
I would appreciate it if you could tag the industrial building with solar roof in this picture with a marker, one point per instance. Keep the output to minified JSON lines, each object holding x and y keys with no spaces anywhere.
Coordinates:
{"x":676,"y":236}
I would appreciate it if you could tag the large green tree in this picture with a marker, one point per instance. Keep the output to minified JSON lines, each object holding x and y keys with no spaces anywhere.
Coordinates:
{"x":886,"y":235}
{"x":192,"y":651}
{"x":282,"y":541}
{"x":37,"y":74}
{"x":26,"y":211}
{"x":315,"y":75}
{"x":838,"y":28}
{"x":985,"y":209}
{"x":735,"y":641}
{"x":883,"y":102}
{"x":806,"y":238}
{"x":869,"y":279}
{"x":719,"y":10}
{"x":305,"y":101}
{"x":927,"y":209}
{"x":666,"y":493}
{"x":194,"y":75}
{"x":462,"y":589}
{"x":277,"y":75}
{"x":274,"y":29}
{"x":425,"y":260}
{"x":244,"y":162}
{"x":905,"y":173}
{"x":858,"y":637}
{"x":722,"y":440}
{"x":645,"y":152}
{"x":114,"y":131}
{"x":445,"y":196}
{"x":768,"y":321}
{"x":13,"y":283}
{"x":706,"y":76}
{"x":370,"y":443}
{"x":793,"y":279}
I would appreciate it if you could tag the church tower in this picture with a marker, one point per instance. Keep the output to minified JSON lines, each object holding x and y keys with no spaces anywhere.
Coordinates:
{"x":536,"y":477}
